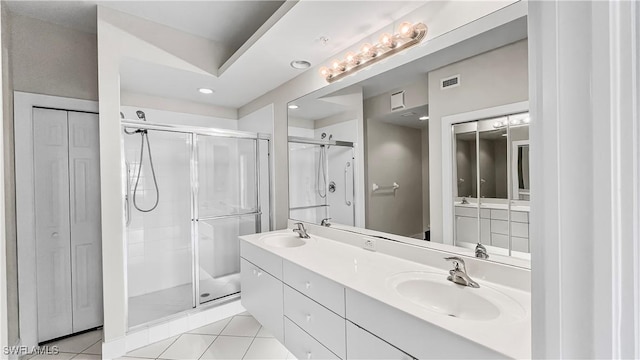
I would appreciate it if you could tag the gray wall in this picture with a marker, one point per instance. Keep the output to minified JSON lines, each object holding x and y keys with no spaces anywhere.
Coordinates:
{"x":495,"y":78}
{"x":41,"y":58}
{"x":393,"y":154}
{"x":9,"y":183}
{"x":53,"y":60}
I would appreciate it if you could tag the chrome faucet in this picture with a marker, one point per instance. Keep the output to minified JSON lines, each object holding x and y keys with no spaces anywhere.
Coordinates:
{"x":301,"y":231}
{"x":325,"y":222}
{"x":481,"y":252}
{"x":459,"y":273}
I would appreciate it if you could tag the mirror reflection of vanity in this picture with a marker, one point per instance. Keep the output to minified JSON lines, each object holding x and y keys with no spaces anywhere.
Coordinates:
{"x":490,"y":172}
{"x":398,"y":155}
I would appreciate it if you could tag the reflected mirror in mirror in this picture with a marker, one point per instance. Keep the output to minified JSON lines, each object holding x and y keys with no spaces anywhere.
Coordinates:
{"x":359,"y":163}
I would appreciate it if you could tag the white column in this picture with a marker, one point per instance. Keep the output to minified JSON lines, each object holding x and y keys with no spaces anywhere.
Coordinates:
{"x":584,"y":227}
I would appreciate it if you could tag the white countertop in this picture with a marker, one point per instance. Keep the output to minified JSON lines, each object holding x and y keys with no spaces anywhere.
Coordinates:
{"x":367,"y":272}
{"x":496,"y":206}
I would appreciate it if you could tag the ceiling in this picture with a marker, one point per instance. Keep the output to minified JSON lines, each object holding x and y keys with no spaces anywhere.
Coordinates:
{"x":229,"y":23}
{"x":261,"y":67}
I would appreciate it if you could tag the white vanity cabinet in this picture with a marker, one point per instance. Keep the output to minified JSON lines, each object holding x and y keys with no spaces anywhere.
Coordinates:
{"x":262,"y":289}
{"x":305,"y":311}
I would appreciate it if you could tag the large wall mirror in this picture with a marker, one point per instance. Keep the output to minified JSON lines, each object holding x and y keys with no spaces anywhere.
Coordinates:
{"x":360,"y":164}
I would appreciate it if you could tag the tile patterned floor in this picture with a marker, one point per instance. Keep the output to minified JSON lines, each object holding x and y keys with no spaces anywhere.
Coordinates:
{"x":238,"y":337}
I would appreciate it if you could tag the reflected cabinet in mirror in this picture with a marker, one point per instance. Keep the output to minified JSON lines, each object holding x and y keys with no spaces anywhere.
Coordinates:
{"x":372,"y":157}
{"x":492,"y":155}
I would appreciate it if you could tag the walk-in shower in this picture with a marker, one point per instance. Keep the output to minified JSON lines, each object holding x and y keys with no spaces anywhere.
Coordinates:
{"x":321,"y":180}
{"x":188,"y":197}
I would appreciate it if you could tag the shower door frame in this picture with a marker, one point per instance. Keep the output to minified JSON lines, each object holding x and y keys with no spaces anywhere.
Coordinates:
{"x":322,"y":142}
{"x":193,"y":132}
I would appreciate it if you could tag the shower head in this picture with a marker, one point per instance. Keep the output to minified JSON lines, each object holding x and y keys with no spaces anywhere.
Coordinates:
{"x":141,"y":116}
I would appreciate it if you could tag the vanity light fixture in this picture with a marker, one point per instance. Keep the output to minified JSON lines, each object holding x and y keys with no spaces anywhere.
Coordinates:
{"x":408,"y":35}
{"x":205,"y":91}
{"x":293,"y":106}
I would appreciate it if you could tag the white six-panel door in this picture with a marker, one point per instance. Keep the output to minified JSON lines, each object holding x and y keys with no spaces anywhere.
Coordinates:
{"x":86,"y":247}
{"x":67,"y":219}
{"x":53,"y":234}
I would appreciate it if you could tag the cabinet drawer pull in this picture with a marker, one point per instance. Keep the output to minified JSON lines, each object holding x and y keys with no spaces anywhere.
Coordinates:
{"x":308,"y":285}
{"x":309,"y":355}
{"x":308,"y":317}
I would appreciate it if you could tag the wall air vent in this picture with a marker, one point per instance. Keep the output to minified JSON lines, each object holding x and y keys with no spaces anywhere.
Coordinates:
{"x":450,"y":82}
{"x":397,"y":100}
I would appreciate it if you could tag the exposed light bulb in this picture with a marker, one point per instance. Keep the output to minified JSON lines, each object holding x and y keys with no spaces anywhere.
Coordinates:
{"x":526,"y":120}
{"x":293,"y":106}
{"x":337,"y":65}
{"x":423,"y":118}
{"x":368,"y":51}
{"x":324,"y":71}
{"x":407,"y":30}
{"x":387,"y":40}
{"x":352,"y":59}
{"x":205,"y":91}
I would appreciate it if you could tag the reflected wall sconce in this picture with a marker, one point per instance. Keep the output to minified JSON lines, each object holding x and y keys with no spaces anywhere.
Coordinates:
{"x":408,"y":35}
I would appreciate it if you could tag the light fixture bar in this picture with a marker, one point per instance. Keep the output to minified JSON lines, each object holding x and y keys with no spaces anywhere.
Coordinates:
{"x":388,"y":46}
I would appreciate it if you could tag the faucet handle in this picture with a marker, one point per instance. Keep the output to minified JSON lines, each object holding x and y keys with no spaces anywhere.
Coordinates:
{"x":457,"y":261}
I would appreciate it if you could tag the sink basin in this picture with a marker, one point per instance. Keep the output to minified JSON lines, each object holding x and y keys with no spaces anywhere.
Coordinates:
{"x":284,"y":240}
{"x":434,"y":292}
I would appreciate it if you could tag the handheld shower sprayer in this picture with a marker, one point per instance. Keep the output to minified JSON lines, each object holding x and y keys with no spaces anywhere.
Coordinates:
{"x":141,"y":115}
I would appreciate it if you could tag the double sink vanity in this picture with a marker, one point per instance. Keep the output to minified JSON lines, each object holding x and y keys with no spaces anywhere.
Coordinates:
{"x":340,"y":295}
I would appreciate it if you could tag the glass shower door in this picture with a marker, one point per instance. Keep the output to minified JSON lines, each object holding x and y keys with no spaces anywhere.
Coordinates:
{"x":227,"y":206}
{"x":158,"y":217}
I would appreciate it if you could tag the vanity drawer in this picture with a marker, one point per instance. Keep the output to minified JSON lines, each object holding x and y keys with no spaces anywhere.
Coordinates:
{"x":302,"y":345}
{"x":520,"y":216}
{"x":500,"y":240}
{"x":315,"y":319}
{"x":467,"y":211}
{"x":497,"y":214}
{"x":520,"y":229}
{"x":500,"y":227}
{"x":364,"y":346}
{"x":269,"y":262}
{"x":319,"y":288}
{"x":520,"y":244}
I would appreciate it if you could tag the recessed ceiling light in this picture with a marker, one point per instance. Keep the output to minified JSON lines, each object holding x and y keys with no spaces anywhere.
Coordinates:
{"x":423,"y":118}
{"x":293,"y":106}
{"x":300,"y":64}
{"x":205,"y":91}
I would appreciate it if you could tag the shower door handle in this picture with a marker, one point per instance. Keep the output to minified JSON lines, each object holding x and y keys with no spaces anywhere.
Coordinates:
{"x":346,"y":167}
{"x":127,"y":195}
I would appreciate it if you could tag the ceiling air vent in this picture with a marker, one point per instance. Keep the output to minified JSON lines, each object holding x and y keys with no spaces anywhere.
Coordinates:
{"x":397,"y":100}
{"x":450,"y":82}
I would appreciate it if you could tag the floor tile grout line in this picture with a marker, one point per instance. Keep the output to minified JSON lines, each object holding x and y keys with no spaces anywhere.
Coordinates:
{"x":167,"y":348}
{"x":246,"y":351}
{"x":210,"y":345}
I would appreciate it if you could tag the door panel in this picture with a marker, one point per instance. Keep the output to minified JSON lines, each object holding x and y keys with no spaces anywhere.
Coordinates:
{"x":51,"y":170}
{"x":86,"y":247}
